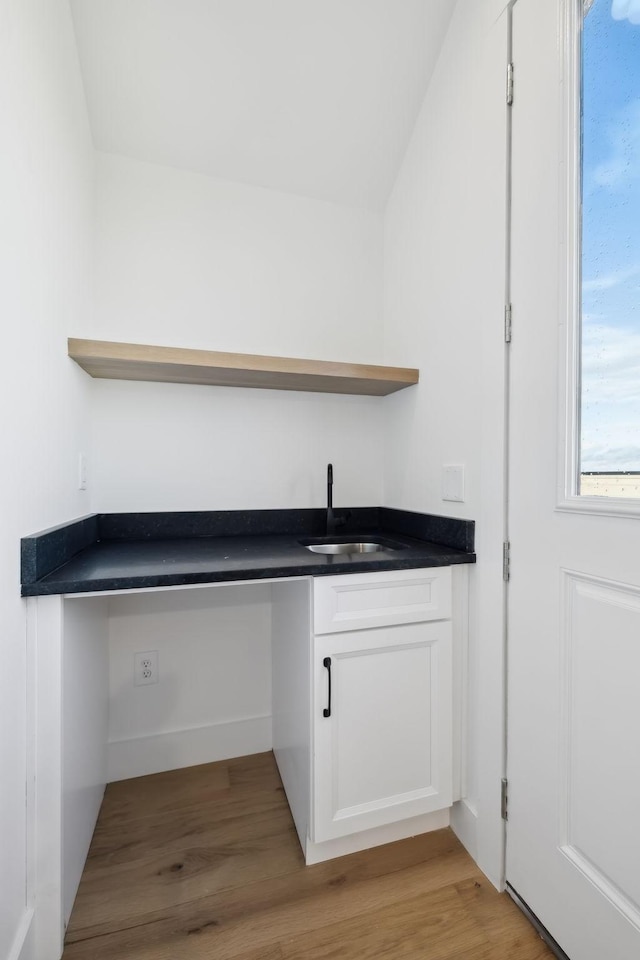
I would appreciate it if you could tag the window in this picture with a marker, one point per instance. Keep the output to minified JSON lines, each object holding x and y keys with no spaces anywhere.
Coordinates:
{"x":610,"y":332}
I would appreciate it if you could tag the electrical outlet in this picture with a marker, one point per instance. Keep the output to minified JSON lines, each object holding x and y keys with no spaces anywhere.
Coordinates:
{"x":145,"y":667}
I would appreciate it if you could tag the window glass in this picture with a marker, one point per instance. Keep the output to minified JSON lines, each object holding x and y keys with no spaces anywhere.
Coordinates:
{"x":610,"y":367}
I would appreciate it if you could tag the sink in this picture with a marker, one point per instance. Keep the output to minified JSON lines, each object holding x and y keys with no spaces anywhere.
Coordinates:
{"x":352,"y":546}
{"x":344,"y":547}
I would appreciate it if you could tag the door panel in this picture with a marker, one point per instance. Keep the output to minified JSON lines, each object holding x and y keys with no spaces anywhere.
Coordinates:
{"x":601,"y":654}
{"x":573,"y":837}
{"x":385,"y":751}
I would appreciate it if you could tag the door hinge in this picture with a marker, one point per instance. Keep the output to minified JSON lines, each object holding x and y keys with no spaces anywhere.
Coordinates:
{"x":504,"y":799}
{"x":509,"y":84}
{"x":506,"y":560}
{"x":508,"y":313}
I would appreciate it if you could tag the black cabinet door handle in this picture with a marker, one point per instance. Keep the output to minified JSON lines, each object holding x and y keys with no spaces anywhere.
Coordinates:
{"x":327,"y":663}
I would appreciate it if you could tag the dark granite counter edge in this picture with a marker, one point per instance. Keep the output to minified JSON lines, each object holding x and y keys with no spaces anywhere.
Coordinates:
{"x":249,"y":573}
{"x":48,"y":550}
{"x":445,"y":531}
{"x":43,"y":552}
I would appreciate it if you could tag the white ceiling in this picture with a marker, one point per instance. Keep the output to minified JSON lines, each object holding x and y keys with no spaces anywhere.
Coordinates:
{"x":315,"y":97}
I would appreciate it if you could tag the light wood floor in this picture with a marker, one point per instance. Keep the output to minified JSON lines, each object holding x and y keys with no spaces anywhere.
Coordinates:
{"x":204,"y":864}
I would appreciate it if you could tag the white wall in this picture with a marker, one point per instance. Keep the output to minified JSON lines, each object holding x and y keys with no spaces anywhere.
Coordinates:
{"x":178,"y":447}
{"x":85,"y":713}
{"x":186,"y":260}
{"x":213,"y":697}
{"x":46,"y":169}
{"x":444,"y":303}
{"x":183,"y":259}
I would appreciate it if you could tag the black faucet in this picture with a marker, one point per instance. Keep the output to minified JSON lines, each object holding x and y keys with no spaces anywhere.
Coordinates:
{"x":331,"y":520}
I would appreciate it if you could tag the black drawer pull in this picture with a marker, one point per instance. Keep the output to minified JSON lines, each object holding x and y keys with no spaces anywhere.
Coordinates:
{"x":327,"y":663}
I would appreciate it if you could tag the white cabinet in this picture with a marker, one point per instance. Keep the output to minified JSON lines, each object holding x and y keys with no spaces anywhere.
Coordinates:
{"x":381,"y":726}
{"x":367,"y":684}
{"x":363,"y":600}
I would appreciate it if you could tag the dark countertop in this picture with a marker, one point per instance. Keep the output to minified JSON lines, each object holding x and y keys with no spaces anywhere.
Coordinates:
{"x":136,"y":551}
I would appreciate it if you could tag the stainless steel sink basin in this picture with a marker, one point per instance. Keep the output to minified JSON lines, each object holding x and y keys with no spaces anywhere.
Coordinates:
{"x":344,"y":547}
{"x":354,"y":546}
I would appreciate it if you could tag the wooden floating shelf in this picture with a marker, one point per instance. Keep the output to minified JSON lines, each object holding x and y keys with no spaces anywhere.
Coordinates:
{"x":135,"y":361}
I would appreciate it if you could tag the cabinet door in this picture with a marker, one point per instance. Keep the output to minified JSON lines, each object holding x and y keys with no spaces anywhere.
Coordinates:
{"x":384,"y":751}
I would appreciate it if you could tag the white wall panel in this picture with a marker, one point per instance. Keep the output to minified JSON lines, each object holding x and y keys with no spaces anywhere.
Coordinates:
{"x":600,"y":736}
{"x":46,"y":189}
{"x":179,"y":447}
{"x":443,"y":312}
{"x":186,"y":260}
{"x":85,"y":707}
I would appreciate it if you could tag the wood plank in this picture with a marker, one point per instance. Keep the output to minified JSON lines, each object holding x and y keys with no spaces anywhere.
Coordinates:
{"x":98,"y":902}
{"x":266,"y":913}
{"x":173,"y":790}
{"x":136,"y":838}
{"x":204,"y":864}
{"x":508,"y":930}
{"x":151,"y":795}
{"x":433,"y":926}
{"x":135,"y":361}
{"x":184,"y":870}
{"x":170,"y":806}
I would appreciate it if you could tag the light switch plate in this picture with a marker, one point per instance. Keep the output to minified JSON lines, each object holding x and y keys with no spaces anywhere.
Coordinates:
{"x":453,"y":482}
{"x":82,"y":471}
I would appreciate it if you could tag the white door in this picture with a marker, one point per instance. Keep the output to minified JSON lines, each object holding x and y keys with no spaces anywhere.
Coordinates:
{"x":573,"y":758}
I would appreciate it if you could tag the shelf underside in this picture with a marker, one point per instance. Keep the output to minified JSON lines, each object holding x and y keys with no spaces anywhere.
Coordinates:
{"x":134,"y":361}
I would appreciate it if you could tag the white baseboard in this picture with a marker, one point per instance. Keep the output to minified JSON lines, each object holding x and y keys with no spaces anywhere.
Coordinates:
{"x":140,"y":756}
{"x":464,"y":823}
{"x":365,"y":839}
{"x":23,"y":946}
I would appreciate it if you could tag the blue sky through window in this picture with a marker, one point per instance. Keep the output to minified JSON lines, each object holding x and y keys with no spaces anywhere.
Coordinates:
{"x":611,"y":238}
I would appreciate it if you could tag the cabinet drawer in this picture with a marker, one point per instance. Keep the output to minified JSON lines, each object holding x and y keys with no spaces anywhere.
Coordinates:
{"x":363,"y":600}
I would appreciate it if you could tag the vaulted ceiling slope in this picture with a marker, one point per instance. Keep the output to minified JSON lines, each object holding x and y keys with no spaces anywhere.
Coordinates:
{"x":314,"y":97}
